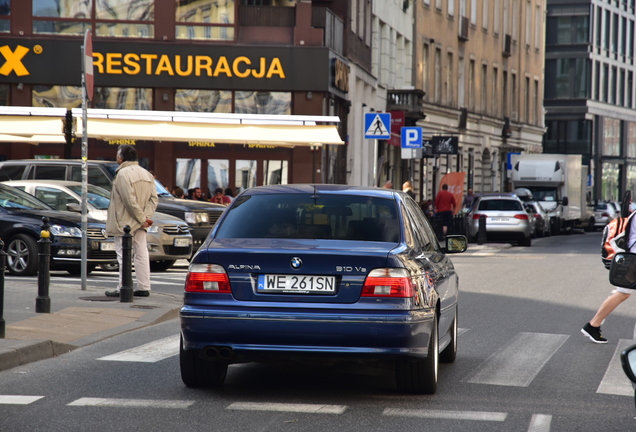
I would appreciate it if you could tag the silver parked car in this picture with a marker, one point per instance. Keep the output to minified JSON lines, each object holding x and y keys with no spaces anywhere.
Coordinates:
{"x":168,"y":238}
{"x":604,"y":213}
{"x":506,"y":218}
{"x":542,"y":220}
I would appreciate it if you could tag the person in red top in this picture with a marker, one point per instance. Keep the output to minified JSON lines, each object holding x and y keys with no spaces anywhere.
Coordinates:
{"x":444,"y":206}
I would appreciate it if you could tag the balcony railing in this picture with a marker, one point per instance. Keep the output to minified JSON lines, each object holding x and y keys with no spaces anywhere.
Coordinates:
{"x":267,"y":16}
{"x":409,"y":101}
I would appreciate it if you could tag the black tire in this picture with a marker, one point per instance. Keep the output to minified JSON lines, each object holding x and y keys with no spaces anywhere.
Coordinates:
{"x":22,"y":255}
{"x":420,"y":376}
{"x":590,"y":225}
{"x":450,"y":352}
{"x":526,"y":241}
{"x":161,"y":265}
{"x":197,"y":372}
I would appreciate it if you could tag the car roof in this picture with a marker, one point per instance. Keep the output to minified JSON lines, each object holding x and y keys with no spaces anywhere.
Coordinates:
{"x":323,"y":188}
{"x":44,"y":182}
{"x":54,"y":161}
{"x":503,"y":195}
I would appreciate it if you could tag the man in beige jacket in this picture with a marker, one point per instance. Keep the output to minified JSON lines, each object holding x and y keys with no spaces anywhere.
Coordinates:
{"x":133,"y":200}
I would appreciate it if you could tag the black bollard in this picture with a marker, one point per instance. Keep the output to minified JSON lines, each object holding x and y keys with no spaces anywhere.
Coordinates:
{"x":3,"y":254}
{"x":481,"y":233}
{"x":126,"y":291}
{"x":43,"y":301}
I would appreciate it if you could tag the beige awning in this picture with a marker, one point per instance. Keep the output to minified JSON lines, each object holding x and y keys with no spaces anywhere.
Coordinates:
{"x":282,"y":135}
{"x":45,"y":125}
{"x":31,"y":129}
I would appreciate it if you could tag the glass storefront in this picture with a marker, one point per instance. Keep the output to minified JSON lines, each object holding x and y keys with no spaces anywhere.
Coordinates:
{"x":214,"y":101}
{"x":611,"y":145}
{"x":245,"y":175}
{"x":56,"y":96}
{"x":188,"y":174}
{"x":218,"y":174}
{"x":275,"y":172}
{"x":206,"y":19}
{"x":609,"y":182}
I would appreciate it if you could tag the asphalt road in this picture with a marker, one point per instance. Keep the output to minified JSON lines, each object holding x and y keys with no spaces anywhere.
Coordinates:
{"x":522,"y":365}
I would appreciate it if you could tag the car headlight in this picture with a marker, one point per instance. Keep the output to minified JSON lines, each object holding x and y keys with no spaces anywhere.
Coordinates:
{"x":196,"y":217}
{"x":153,"y":229}
{"x":66,"y":231}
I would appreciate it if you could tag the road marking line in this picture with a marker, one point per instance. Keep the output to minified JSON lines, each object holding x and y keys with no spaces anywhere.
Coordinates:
{"x":447,"y":415}
{"x":518,"y":362}
{"x":281,"y":407}
{"x":131,"y":403}
{"x":615,"y":382}
{"x":149,"y":353}
{"x":540,"y":423}
{"x":461,"y":331}
{"x":18,"y":400}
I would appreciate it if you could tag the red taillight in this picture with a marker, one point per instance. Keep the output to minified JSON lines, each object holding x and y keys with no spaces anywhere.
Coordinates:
{"x":521,"y":216}
{"x":605,"y":215}
{"x":476,"y":216}
{"x":388,"y":282}
{"x":538,"y":216}
{"x":208,"y":278}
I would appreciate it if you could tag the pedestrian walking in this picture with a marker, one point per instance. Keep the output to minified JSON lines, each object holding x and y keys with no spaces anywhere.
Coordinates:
{"x":468,"y":199}
{"x":133,"y":201}
{"x":178,"y":192}
{"x":444,"y":207}
{"x":407,"y":188}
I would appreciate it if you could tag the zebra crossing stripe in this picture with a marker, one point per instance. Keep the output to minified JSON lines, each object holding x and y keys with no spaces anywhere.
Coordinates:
{"x":131,"y":403}
{"x":615,"y":382}
{"x":18,"y":400}
{"x":540,"y":423}
{"x":446,"y":415}
{"x":149,"y":353}
{"x":518,"y":362}
{"x":282,"y":407}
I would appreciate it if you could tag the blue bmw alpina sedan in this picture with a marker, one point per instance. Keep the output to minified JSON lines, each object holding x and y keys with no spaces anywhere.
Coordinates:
{"x":293,"y":272}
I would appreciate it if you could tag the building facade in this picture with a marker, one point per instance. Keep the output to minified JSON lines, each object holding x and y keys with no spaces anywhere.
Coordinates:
{"x":220,"y":56}
{"x":480,"y":64}
{"x":590,"y":97}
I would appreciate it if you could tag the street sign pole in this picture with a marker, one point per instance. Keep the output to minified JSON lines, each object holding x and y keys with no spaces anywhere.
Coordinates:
{"x":87,"y":92}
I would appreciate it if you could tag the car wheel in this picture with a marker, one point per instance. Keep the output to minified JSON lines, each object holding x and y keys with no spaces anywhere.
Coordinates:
{"x":161,"y":265}
{"x":22,"y":255}
{"x":590,"y":225}
{"x":420,"y":376}
{"x":526,"y":241}
{"x":450,"y":352}
{"x":109,"y":267}
{"x":197,"y":372}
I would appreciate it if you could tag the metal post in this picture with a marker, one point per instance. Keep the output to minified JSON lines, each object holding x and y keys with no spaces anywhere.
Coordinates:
{"x":43,"y":301}
{"x":2,"y":258}
{"x":481,"y":234}
{"x":126,"y":291}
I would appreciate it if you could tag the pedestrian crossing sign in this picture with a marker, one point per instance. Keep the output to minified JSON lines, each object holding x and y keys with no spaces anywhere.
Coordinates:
{"x":376,"y":125}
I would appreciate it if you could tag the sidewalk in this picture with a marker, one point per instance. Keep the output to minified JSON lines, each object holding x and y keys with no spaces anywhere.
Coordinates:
{"x":78,"y":318}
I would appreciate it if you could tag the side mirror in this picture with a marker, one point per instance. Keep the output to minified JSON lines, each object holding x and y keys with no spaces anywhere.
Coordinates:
{"x":628,"y":361}
{"x":565,"y":201}
{"x":456,"y":244}
{"x":74,"y":207}
{"x":623,"y":270}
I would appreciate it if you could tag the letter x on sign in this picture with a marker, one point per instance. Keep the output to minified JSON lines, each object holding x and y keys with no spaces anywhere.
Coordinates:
{"x":13,"y":60}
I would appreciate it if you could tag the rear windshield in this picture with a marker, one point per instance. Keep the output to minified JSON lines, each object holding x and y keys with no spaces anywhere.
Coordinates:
{"x":301,"y":216}
{"x":503,"y":205}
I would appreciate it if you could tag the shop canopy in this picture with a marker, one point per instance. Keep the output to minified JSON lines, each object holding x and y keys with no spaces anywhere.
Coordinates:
{"x":45,"y":125}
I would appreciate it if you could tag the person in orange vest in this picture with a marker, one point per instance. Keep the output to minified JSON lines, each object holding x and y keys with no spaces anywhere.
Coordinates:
{"x":444,"y":207}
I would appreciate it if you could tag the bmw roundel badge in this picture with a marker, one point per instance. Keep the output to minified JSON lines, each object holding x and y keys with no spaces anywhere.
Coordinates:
{"x":296,"y":262}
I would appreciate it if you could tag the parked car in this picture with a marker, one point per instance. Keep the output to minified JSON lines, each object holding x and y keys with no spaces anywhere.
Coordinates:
{"x":604,"y":213}
{"x":20,"y":226}
{"x":200,"y":215}
{"x":325,"y":272}
{"x":506,"y":218}
{"x":168,"y":238}
{"x":542,"y":221}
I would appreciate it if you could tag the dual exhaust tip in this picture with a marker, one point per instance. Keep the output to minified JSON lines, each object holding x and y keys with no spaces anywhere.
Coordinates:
{"x":218,"y":353}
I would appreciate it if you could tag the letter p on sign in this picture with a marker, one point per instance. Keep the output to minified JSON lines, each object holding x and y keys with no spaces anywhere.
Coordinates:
{"x":411,"y":137}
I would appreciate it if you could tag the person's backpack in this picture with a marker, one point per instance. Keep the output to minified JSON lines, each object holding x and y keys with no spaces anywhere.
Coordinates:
{"x":615,"y":234}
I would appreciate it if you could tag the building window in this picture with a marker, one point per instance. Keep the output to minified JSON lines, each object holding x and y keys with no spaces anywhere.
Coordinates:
{"x":425,"y":70}
{"x":192,"y":100}
{"x":621,"y":88}
{"x":4,"y":94}
{"x":538,"y":25}
{"x":471,"y":85}
{"x":611,"y":137}
{"x":5,"y":11}
{"x":438,"y":75}
{"x":537,"y":106}
{"x":110,"y":18}
{"x":451,"y":8}
{"x":275,"y":172}
{"x":608,"y":20}
{"x":484,"y":14}
{"x":56,"y":96}
{"x":205,"y":19}
{"x":528,"y":23}
{"x":513,"y":94}
{"x":597,"y":81}
{"x":245,"y":175}
{"x":631,"y":141}
{"x":630,"y":90}
{"x":504,"y":94}
{"x":123,"y":98}
{"x":262,"y":102}
{"x":448,"y":83}
{"x":484,"y":88}
{"x":497,"y":18}
{"x":473,"y":12}
{"x":515,"y":20}
{"x":495,"y":87}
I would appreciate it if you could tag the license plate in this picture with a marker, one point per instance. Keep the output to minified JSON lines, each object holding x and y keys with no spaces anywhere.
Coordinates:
{"x":499,"y":219}
{"x":297,"y":284}
{"x":182,"y":242}
{"x":107,"y":246}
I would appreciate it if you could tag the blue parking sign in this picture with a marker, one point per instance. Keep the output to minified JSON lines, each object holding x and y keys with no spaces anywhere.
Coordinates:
{"x":411,"y":137}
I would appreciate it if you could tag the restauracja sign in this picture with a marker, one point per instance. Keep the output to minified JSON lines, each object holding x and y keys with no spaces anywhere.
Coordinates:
{"x":135,"y":64}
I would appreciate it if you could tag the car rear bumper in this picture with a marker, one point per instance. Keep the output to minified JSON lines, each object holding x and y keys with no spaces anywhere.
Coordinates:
{"x":251,"y":333}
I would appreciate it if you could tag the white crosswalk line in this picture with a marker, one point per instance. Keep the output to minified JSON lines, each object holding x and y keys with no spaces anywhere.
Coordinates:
{"x":518,"y":362}
{"x":290,"y":407}
{"x":540,"y":423}
{"x":615,"y":382}
{"x":446,"y":415}
{"x":18,"y":399}
{"x":131,"y":403}
{"x":149,"y":353}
